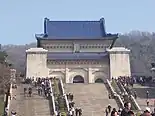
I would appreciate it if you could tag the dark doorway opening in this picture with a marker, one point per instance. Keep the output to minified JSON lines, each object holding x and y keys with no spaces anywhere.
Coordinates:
{"x":78,"y":79}
{"x":99,"y":80}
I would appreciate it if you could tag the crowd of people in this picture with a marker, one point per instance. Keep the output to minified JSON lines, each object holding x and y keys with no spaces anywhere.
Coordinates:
{"x":43,"y":88}
{"x":128,"y":82}
{"x":126,"y":111}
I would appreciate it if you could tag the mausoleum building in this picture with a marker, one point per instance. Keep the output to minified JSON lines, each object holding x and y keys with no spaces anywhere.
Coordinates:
{"x":77,"y":51}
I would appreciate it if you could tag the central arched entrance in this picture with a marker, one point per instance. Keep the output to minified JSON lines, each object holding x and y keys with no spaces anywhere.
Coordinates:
{"x":78,"y":79}
{"x":99,"y":80}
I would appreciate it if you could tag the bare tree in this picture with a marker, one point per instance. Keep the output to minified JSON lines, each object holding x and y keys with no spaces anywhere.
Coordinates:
{"x":4,"y":73}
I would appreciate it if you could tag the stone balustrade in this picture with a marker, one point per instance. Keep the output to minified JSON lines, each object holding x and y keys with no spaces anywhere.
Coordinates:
{"x":115,"y":94}
{"x":9,"y":99}
{"x":133,"y":101}
{"x":63,"y":91}
{"x":111,"y":88}
{"x":53,"y":101}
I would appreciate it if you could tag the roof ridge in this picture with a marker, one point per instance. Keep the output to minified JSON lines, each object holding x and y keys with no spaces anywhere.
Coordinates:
{"x":73,"y":21}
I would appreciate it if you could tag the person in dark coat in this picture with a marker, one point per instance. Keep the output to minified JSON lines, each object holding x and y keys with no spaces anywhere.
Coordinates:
{"x":127,"y":108}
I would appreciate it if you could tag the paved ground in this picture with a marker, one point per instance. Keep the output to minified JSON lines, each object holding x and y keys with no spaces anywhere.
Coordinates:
{"x":29,"y":106}
{"x":141,"y":92}
{"x":1,"y":105}
{"x":92,"y":98}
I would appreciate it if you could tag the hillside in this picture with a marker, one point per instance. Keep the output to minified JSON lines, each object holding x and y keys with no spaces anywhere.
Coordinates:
{"x":142,"y":45}
{"x":16,"y":54}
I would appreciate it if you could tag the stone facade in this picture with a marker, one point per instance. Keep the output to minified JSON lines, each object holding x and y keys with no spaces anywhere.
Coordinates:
{"x":90,"y":70}
{"x":116,"y":63}
{"x":36,"y":65}
{"x":119,"y":62}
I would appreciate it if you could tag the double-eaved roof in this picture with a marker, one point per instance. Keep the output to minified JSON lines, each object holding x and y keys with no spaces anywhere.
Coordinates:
{"x":74,"y":30}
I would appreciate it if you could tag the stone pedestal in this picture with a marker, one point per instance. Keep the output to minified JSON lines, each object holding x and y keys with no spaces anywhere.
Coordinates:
{"x":119,"y":62}
{"x":66,"y":75}
{"x":36,"y":63}
{"x":90,"y":76}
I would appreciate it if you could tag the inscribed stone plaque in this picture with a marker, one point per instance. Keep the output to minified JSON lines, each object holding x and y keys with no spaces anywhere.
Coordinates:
{"x":76,"y":48}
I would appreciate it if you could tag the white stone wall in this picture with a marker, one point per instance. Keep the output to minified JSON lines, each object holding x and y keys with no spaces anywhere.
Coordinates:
{"x":119,"y":62}
{"x":36,"y":63}
{"x":90,"y":72}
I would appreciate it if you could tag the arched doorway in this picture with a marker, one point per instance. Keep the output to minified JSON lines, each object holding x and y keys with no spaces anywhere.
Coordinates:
{"x":99,"y":80}
{"x":78,"y":79}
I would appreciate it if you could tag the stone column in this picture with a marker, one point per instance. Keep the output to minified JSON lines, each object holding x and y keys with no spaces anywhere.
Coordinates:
{"x":119,"y":62}
{"x":36,"y":63}
{"x":90,"y":76}
{"x":66,"y":75}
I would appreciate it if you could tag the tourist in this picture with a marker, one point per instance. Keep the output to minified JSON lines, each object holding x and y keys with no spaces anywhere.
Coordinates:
{"x":106,"y":111}
{"x":76,"y":111}
{"x":147,"y":112}
{"x":13,"y":113}
{"x":153,"y":113}
{"x":147,"y":102}
{"x":127,"y":107}
{"x":109,"y":108}
{"x":70,"y":112}
{"x":131,"y":113}
{"x":114,"y":113}
{"x":6,"y":111}
{"x":109,"y":95}
{"x":30,"y":91}
{"x":135,"y":94}
{"x":119,"y":111}
{"x":71,"y":97}
{"x":73,"y":110}
{"x":80,"y":112}
{"x":147,"y":94}
{"x":25,"y":90}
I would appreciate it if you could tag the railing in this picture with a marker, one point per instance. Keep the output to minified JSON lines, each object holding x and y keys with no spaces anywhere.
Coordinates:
{"x":63,"y":91}
{"x":61,"y":104}
{"x":135,"y":103}
{"x":131,"y":98}
{"x":116,"y":96}
{"x":53,"y":101}
{"x":9,"y":98}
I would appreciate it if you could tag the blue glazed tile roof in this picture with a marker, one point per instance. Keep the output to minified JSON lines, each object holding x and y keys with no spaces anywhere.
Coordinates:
{"x":79,"y":29}
{"x":75,"y":56}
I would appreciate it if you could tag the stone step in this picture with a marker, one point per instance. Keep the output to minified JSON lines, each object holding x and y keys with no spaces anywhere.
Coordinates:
{"x":92,"y":98}
{"x":29,"y":106}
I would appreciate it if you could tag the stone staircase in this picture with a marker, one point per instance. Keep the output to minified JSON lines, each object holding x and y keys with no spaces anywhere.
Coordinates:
{"x":92,"y":98}
{"x":29,"y":106}
{"x":141,"y":93}
{"x":41,"y":106}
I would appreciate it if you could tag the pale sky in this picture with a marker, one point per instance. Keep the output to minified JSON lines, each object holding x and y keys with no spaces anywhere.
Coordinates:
{"x":20,"y":20}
